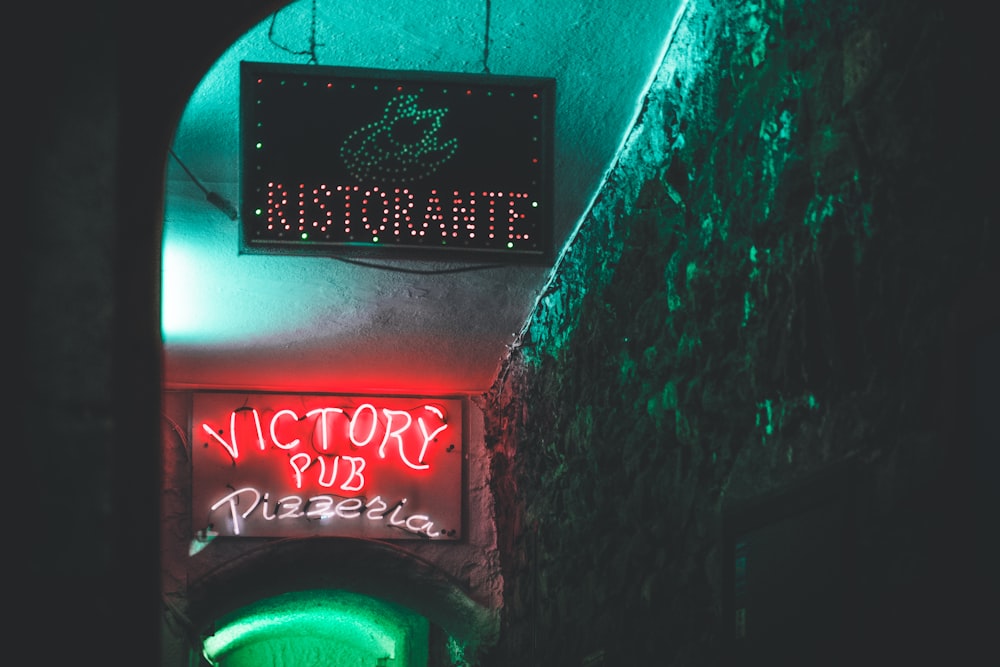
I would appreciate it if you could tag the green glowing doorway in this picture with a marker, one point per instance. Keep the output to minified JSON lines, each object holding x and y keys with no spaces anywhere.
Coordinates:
{"x":312,"y":628}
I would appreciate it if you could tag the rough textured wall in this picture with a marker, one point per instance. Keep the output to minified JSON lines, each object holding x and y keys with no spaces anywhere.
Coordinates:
{"x":762,"y":291}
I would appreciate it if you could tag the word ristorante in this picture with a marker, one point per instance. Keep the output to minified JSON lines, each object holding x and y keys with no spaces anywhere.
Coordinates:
{"x":325,"y":454}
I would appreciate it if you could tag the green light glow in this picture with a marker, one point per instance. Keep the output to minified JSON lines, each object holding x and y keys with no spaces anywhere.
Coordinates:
{"x":765,"y":409}
{"x":319,"y":627}
{"x":200,"y":304}
{"x":747,"y":308}
{"x":403,"y":146}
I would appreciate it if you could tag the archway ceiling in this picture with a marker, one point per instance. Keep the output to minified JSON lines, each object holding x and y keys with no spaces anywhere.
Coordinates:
{"x":289,"y":323}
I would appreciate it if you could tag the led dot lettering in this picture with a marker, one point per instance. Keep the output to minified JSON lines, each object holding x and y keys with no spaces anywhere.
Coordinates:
{"x":403,"y":146}
{"x":345,"y":157}
{"x":332,"y":211}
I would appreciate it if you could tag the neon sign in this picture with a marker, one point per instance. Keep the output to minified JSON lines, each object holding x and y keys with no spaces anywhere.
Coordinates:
{"x":286,"y":465}
{"x":411,"y":164}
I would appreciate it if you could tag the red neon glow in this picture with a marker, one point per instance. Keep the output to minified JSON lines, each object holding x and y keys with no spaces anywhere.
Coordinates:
{"x":354,"y":481}
{"x":327,"y":459}
{"x":274,"y":437}
{"x":322,"y":425}
{"x":231,"y":446}
{"x":397,"y":423}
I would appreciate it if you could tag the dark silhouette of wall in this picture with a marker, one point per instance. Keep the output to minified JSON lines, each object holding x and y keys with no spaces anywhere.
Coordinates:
{"x":94,"y":92}
{"x":768,"y":333}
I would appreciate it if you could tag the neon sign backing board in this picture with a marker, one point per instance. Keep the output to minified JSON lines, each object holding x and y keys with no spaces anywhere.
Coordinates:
{"x":291,"y":465}
{"x":421,"y":165}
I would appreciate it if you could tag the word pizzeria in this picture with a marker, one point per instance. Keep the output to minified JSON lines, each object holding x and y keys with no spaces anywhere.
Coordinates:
{"x":289,"y":465}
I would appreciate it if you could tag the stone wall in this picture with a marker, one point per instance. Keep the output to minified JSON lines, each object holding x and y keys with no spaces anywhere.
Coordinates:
{"x":779,"y":278}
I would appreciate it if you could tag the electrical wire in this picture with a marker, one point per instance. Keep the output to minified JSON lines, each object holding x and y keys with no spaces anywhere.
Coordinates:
{"x":423,"y":272}
{"x":313,"y":60}
{"x":214,"y":198}
{"x":179,"y":432}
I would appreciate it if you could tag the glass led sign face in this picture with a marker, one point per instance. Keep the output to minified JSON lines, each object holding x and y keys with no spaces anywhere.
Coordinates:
{"x":290,"y":465}
{"x":409,"y":164}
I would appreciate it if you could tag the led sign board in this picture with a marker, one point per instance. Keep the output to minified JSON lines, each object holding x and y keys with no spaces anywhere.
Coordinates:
{"x":291,"y":465}
{"x":395,"y":164}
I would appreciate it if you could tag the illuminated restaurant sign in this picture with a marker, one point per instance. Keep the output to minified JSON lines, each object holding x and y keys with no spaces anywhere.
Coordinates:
{"x":295,"y":465}
{"x":397,"y":164}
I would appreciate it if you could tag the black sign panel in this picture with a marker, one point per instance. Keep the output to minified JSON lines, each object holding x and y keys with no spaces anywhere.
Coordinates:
{"x":395,"y":164}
